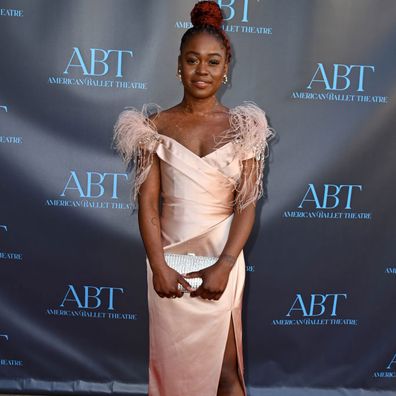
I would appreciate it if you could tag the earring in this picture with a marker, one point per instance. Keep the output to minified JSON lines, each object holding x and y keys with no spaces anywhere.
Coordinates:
{"x":225,"y":79}
{"x":179,"y":74}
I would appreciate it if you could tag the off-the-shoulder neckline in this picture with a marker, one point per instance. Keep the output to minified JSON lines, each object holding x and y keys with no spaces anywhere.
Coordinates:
{"x":231,"y":112}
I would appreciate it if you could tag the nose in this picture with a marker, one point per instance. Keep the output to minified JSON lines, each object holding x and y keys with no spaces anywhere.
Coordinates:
{"x":201,"y":69}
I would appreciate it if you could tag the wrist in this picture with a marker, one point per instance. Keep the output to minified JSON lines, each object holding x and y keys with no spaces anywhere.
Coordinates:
{"x":159,"y":267}
{"x":228,"y":260}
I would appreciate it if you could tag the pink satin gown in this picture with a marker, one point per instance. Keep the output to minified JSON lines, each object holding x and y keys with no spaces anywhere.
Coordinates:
{"x":200,"y":194}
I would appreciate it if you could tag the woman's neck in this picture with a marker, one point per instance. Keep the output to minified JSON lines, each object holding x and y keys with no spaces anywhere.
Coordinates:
{"x":199,"y":106}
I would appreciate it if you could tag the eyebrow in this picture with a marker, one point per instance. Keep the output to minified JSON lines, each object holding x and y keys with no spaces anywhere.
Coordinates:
{"x":211,"y":54}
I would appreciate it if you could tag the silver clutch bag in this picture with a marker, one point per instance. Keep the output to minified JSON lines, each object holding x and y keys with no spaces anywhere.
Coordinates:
{"x":184,"y":263}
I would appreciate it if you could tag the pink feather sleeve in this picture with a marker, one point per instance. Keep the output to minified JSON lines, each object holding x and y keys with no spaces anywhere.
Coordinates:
{"x":136,"y":138}
{"x":250,"y":133}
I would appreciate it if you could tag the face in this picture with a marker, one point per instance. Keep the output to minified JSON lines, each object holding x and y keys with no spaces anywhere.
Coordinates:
{"x":203,"y":64}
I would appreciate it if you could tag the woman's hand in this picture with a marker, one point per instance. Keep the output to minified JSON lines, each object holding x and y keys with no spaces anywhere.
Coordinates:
{"x":166,"y":281}
{"x":214,"y":280}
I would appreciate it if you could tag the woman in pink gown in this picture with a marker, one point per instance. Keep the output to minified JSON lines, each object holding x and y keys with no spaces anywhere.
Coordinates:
{"x":206,"y":163}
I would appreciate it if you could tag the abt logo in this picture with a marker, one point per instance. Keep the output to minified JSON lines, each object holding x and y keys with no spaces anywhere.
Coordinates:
{"x":96,"y":64}
{"x":4,"y":108}
{"x":91,"y":297}
{"x":317,"y":304}
{"x":229,"y":9}
{"x":330,"y":198}
{"x":93,"y":181}
{"x":4,"y":337}
{"x":388,"y":374}
{"x":391,"y":363}
{"x":337,"y":78}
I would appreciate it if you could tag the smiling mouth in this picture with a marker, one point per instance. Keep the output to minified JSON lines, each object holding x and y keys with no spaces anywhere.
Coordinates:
{"x":200,"y":83}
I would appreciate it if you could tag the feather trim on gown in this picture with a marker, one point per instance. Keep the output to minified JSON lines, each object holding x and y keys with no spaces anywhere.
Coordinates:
{"x":250,"y":133}
{"x":136,"y":139}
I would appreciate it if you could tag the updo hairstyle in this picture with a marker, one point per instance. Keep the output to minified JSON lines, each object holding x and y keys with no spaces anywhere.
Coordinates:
{"x":206,"y":16}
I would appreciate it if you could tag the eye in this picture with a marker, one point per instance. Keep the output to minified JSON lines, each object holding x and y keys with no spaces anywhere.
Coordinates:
{"x":214,"y":62}
{"x":191,"y":61}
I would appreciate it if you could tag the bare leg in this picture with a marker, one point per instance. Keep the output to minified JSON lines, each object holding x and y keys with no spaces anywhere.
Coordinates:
{"x":230,"y":383}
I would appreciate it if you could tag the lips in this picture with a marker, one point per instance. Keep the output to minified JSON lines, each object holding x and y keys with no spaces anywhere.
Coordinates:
{"x":200,"y":83}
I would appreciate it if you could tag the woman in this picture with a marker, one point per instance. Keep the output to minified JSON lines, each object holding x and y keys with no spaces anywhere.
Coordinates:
{"x":206,"y":162}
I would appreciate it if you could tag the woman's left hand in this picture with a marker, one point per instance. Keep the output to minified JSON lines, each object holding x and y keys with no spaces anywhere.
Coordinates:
{"x":214,"y":280}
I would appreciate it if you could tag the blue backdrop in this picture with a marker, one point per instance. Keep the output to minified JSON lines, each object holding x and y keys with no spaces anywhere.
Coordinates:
{"x":320,"y":293}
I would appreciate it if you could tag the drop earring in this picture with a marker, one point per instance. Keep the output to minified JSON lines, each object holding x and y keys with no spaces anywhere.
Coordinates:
{"x":179,"y":74}
{"x":225,"y":79}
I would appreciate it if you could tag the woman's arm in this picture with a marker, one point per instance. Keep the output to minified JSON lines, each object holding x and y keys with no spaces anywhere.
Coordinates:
{"x":240,"y":230}
{"x":165,"y":279}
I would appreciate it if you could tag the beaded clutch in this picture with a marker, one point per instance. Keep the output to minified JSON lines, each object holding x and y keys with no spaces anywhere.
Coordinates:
{"x":184,"y":263}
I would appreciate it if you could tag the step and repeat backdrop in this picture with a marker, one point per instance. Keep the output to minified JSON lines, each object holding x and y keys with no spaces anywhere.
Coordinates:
{"x":320,"y":295}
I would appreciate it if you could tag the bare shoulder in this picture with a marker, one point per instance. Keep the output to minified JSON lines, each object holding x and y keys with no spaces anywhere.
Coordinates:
{"x":164,"y":119}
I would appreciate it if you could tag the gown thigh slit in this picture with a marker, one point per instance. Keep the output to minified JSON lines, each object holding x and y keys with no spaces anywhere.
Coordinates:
{"x":238,"y":345}
{"x":239,"y":354}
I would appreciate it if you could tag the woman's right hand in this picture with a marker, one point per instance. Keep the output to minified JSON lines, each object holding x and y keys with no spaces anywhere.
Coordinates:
{"x":166,"y":281}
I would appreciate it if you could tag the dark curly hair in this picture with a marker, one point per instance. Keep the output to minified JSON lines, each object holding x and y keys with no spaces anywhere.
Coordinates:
{"x":206,"y":16}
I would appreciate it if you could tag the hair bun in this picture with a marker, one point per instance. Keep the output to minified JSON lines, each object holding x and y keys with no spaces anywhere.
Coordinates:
{"x":207,"y":13}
